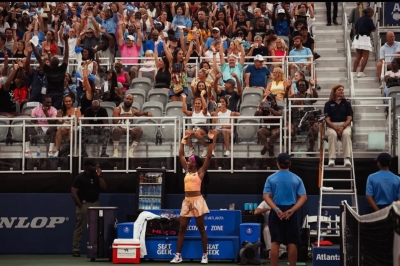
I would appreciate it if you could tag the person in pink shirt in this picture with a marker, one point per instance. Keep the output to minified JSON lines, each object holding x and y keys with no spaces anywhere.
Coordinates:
{"x":130,"y":48}
{"x":44,"y":110}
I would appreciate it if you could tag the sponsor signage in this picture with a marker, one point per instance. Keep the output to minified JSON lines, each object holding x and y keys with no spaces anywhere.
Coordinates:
{"x":391,"y":14}
{"x":326,"y":255}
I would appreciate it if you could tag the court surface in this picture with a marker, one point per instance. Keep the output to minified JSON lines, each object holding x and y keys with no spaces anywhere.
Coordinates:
{"x":64,"y":260}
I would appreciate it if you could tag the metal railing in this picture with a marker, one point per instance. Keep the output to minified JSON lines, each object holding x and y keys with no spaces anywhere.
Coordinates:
{"x":320,"y":105}
{"x":233,"y":123}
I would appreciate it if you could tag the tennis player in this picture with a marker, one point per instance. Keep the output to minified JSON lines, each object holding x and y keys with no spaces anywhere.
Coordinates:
{"x":284,"y":192}
{"x":194,"y":204}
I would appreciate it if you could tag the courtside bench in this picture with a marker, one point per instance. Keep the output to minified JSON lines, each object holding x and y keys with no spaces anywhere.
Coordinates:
{"x":222,"y":228}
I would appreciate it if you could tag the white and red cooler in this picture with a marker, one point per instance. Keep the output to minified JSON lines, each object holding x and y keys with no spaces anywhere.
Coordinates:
{"x":126,"y":251}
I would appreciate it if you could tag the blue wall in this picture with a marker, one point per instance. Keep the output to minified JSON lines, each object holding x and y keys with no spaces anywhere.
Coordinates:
{"x":44,"y":223}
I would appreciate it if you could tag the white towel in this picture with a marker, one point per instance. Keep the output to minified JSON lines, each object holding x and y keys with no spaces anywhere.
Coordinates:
{"x":139,"y":231}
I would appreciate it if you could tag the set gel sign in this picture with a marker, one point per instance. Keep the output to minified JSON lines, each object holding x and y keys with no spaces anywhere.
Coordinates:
{"x":36,"y":222}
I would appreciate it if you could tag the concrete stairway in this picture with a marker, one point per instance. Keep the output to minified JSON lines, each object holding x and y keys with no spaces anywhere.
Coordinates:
{"x":331,"y":69}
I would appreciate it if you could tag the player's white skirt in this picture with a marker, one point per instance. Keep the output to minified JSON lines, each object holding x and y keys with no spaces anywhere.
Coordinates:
{"x":363,"y":43}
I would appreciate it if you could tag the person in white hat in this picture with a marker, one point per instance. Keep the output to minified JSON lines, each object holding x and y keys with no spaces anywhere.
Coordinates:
{"x":255,"y":75}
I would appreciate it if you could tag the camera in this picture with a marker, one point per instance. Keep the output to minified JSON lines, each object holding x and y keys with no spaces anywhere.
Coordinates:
{"x":267,"y":104}
{"x":309,"y":118}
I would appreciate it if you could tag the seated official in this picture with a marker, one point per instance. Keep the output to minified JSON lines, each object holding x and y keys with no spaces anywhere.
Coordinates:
{"x":339,"y":116}
{"x":264,"y":209}
{"x":95,"y":110}
{"x":269,"y":107}
{"x":383,"y":187}
{"x":298,"y":113}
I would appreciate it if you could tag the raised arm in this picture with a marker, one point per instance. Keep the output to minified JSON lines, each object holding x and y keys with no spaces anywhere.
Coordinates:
{"x":184,"y":107}
{"x":37,"y":55}
{"x":207,"y":161}
{"x":66,"y":49}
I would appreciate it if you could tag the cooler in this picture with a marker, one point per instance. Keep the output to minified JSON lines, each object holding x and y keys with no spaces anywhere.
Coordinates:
{"x":126,"y":251}
{"x":250,"y":232}
{"x":125,"y":230}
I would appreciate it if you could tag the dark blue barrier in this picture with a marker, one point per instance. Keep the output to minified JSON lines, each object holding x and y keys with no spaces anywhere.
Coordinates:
{"x":222,"y":227}
{"x":33,"y":223}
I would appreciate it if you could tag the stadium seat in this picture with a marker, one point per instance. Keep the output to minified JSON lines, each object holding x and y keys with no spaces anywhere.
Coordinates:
{"x":104,"y":104}
{"x":4,"y":122}
{"x":248,"y":108}
{"x":158,"y":95}
{"x":252,"y":94}
{"x":155,"y":108}
{"x":167,"y":132}
{"x":16,"y":132}
{"x":135,"y":105}
{"x":247,"y":133}
{"x":190,"y":98}
{"x":141,"y":83}
{"x":174,"y":109}
{"x":110,"y":111}
{"x":138,"y":94}
{"x":28,"y":107}
{"x":149,"y":132}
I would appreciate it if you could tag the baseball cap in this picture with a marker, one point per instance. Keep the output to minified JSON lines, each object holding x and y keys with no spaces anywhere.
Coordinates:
{"x":283,"y":158}
{"x":383,"y":157}
{"x":215,"y":29}
{"x":172,"y":39}
{"x":89,"y":162}
{"x":281,"y":11}
{"x":231,"y":81}
{"x":25,"y":12}
{"x":259,"y":58}
{"x":130,"y":37}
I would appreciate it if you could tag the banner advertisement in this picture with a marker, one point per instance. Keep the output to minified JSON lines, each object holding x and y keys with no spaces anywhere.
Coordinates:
{"x":391,"y":14}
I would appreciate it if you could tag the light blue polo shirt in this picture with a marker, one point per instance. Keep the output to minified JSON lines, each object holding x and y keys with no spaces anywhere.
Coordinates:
{"x":285,"y":187}
{"x":384,"y":187}
{"x":304,"y":51}
{"x":386,"y":49}
{"x":211,"y":39}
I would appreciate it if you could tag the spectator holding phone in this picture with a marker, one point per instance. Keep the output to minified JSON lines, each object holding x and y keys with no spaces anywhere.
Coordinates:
{"x":269,"y":107}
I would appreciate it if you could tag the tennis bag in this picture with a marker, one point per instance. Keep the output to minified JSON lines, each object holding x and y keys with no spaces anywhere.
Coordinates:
{"x":166,"y":224}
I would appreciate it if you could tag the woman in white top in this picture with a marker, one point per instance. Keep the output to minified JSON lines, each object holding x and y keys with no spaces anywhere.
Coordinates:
{"x":66,"y":111}
{"x":199,"y":116}
{"x":167,"y":24}
{"x":224,"y":124}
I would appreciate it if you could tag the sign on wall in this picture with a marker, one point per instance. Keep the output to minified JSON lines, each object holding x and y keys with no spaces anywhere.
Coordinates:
{"x":391,"y":14}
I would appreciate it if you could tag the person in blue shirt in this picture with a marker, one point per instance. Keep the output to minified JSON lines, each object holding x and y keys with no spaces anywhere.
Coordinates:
{"x":284,"y":192}
{"x":255,"y":74}
{"x":383,"y":187}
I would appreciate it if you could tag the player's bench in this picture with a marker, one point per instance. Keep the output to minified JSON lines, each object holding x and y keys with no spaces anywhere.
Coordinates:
{"x":222,"y":228}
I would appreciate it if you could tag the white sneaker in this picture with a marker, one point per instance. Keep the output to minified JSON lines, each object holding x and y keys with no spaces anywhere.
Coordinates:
{"x":347,"y":162}
{"x":52,"y":154}
{"x":204,"y":259}
{"x":177,"y":258}
{"x":131,"y":152}
{"x":115,"y":154}
{"x":204,"y":154}
{"x":361,"y":75}
{"x":331,"y":162}
{"x":354,"y":74}
{"x":191,"y":151}
{"x":227,"y":154}
{"x":213,"y":154}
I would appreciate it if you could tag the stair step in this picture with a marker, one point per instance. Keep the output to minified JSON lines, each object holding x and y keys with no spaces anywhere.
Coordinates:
{"x":337,"y":180}
{"x":339,"y":192}
{"x":330,"y":207}
{"x":337,"y":168}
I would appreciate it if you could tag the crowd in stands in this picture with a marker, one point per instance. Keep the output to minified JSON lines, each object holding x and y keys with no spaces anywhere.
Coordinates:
{"x":74,"y":58}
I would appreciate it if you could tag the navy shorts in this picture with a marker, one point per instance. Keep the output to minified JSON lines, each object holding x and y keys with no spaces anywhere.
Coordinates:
{"x":284,"y":231}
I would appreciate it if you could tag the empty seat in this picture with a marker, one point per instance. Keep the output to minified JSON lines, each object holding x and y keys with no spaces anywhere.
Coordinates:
{"x":252,"y":94}
{"x":16,"y":132}
{"x":139,"y":95}
{"x":28,"y":107}
{"x":136,"y":105}
{"x":158,"y":95}
{"x":110,"y":111}
{"x":104,"y":104}
{"x":141,"y":83}
{"x":155,"y":108}
{"x":245,"y":132}
{"x":167,"y":132}
{"x":248,"y":108}
{"x":4,"y":122}
{"x":174,"y":109}
{"x":149,"y":132}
